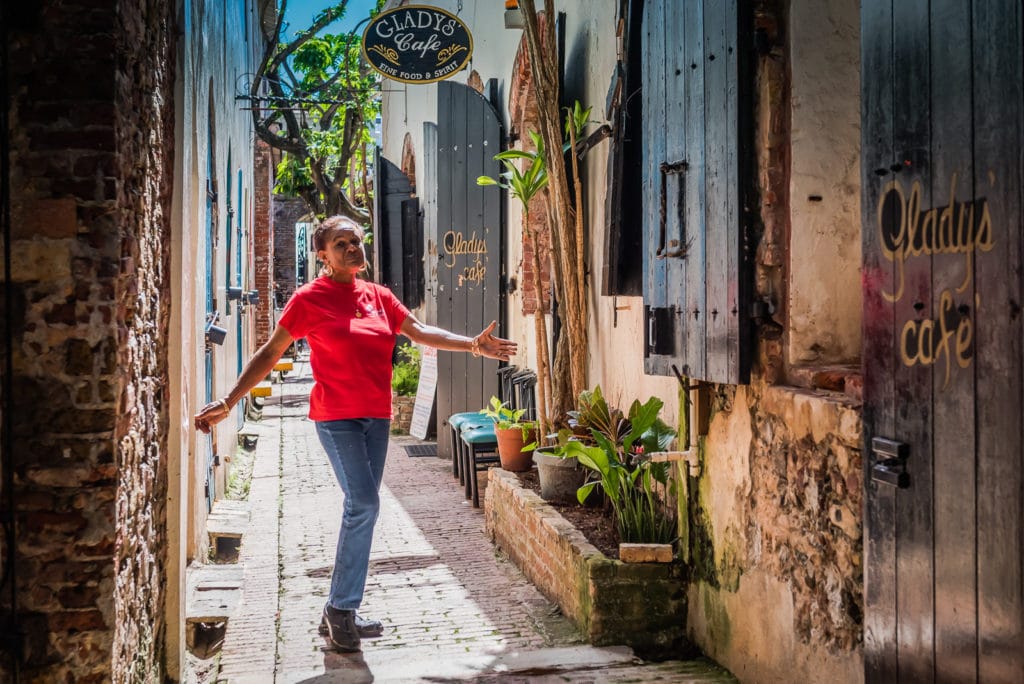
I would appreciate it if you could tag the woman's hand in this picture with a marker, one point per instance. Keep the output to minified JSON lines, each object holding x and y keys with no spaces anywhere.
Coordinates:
{"x":486,"y":344}
{"x":212,"y":413}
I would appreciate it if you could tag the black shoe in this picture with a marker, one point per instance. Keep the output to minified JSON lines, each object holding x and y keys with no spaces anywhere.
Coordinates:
{"x":340,"y":627}
{"x":367,"y":629}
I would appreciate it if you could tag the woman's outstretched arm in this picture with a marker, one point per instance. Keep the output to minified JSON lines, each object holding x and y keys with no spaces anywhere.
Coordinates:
{"x":261,"y":363}
{"x":484,"y":344}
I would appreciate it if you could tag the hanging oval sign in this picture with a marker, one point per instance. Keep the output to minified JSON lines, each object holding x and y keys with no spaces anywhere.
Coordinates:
{"x":417,"y":44}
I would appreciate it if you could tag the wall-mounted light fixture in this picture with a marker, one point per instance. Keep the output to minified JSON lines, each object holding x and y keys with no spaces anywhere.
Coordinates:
{"x":252,"y":296}
{"x":214,"y":333}
{"x":513,"y":17}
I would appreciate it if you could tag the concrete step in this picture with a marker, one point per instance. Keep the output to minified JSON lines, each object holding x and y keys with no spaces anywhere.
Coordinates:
{"x":582,"y":663}
{"x":214,"y":592}
{"x":229,"y":518}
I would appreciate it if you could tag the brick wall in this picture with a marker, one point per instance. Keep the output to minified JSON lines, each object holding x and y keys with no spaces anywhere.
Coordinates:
{"x":522,"y":109}
{"x":773,"y":171}
{"x":287,"y":211}
{"x":263,"y":241}
{"x":90,"y":119}
{"x":402,"y":408}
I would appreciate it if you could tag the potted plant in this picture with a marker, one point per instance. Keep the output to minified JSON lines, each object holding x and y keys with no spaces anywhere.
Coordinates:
{"x":617,"y":457}
{"x":525,"y":185}
{"x":558,"y":470}
{"x":405,"y":376}
{"x":516,"y":437}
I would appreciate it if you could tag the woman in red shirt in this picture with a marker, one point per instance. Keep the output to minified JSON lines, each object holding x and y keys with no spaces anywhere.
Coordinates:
{"x":351,"y":325}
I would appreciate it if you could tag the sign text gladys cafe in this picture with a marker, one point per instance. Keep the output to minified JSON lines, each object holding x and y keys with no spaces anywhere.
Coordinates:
{"x":417,"y":44}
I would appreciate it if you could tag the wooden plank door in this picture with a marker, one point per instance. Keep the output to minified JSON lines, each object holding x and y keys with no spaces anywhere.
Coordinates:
{"x":942,"y":127}
{"x":697,"y":141}
{"x":392,"y":189}
{"x":468,"y":239}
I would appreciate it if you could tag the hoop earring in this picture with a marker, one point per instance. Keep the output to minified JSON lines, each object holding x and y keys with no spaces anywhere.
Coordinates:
{"x":327,"y":270}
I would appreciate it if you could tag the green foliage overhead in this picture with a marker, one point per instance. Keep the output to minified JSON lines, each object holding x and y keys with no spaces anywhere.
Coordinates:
{"x":314,"y":99}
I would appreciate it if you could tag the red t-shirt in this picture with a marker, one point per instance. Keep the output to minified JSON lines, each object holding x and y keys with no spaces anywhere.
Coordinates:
{"x":351,"y":329}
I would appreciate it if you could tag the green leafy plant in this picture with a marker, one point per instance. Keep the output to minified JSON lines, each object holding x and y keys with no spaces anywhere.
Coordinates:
{"x":523,"y":185}
{"x":314,"y":98}
{"x":507,"y":418}
{"x":616,"y":451}
{"x":405,"y":375}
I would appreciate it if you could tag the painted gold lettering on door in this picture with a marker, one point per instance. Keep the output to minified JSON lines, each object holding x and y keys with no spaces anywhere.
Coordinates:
{"x":908,"y":231}
{"x":455,"y":245}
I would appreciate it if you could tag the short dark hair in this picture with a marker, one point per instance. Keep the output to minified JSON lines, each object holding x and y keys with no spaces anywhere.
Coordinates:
{"x":331,"y":224}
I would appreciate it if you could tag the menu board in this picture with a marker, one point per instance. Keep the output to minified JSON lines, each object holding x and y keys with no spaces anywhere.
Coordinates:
{"x":425,"y":391}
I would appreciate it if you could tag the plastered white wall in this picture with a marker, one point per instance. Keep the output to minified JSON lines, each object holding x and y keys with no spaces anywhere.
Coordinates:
{"x":218,"y":47}
{"x":825,"y":254}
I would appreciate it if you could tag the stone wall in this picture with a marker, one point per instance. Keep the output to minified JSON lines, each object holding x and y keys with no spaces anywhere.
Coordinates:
{"x":774,"y":535}
{"x":145,"y":156}
{"x":89,"y":131}
{"x":263,"y":241}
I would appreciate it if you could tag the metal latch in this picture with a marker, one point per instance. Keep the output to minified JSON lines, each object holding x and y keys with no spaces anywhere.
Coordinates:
{"x":676,"y":247}
{"x":891,"y":462}
{"x":660,"y":331}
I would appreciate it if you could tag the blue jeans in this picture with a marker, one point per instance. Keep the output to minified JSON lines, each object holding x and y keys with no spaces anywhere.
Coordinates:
{"x":356,"y":449}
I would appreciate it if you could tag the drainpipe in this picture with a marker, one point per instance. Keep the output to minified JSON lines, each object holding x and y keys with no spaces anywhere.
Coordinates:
{"x":11,"y":640}
{"x":694,"y":410}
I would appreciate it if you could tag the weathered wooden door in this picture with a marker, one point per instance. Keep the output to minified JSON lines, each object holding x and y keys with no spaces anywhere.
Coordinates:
{"x":398,"y":243}
{"x":468,"y":240}
{"x":943,"y":122}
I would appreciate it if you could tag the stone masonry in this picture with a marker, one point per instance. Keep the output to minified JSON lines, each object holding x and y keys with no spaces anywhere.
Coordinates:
{"x":90,"y":130}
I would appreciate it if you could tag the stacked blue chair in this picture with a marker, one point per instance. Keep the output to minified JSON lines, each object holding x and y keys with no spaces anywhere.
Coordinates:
{"x":479,"y":447}
{"x":474,"y":420}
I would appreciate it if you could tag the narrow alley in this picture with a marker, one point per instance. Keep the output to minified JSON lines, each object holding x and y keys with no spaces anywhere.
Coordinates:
{"x":739,"y":282}
{"x":453,"y":607}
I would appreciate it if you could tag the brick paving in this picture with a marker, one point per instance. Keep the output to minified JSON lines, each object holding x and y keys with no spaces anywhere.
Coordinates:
{"x":453,"y":607}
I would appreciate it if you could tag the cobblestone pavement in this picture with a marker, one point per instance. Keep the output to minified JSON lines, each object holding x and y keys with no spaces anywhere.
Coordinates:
{"x":453,"y":607}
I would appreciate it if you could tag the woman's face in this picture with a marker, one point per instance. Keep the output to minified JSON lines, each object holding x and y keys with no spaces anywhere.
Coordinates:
{"x":344,"y":251}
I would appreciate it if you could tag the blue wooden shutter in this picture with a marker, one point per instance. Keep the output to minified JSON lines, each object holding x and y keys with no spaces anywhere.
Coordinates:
{"x":697,"y":133}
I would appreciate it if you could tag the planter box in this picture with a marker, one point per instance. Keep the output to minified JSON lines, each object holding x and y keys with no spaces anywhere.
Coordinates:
{"x":402,"y":407}
{"x":642,"y":605}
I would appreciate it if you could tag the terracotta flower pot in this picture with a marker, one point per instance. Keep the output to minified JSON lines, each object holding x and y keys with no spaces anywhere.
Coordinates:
{"x":510,"y":448}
